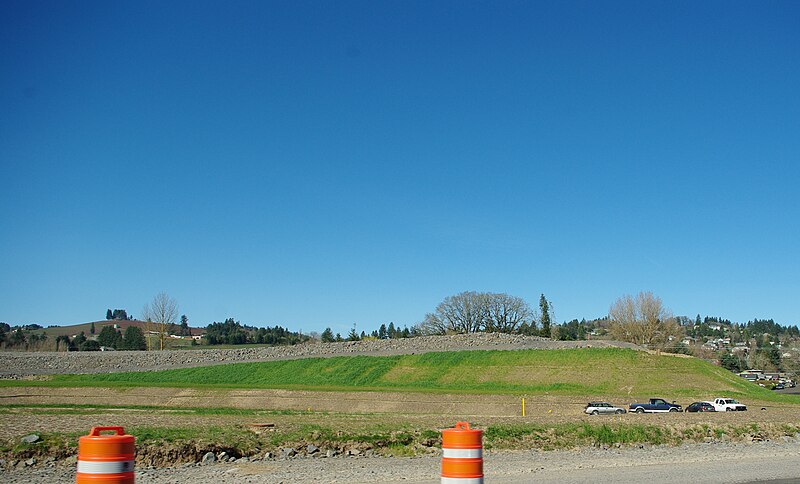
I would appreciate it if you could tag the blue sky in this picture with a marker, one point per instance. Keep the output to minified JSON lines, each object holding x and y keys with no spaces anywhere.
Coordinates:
{"x":315,"y":164}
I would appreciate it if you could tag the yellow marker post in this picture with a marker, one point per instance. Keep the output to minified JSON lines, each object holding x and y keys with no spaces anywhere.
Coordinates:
{"x":523,"y":407}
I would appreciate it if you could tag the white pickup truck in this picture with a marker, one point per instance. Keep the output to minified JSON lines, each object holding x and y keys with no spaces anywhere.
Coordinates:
{"x":728,"y":405}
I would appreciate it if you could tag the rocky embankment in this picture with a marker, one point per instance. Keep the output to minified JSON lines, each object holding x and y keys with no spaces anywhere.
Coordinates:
{"x":26,"y":364}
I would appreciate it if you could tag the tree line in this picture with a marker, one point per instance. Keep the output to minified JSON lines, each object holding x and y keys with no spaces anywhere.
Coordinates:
{"x":25,"y":339}
{"x":117,"y":314}
{"x":472,"y":312}
{"x":383,"y":332}
{"x":232,"y":332}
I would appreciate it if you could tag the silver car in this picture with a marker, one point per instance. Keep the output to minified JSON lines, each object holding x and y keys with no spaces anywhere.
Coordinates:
{"x":597,"y":408}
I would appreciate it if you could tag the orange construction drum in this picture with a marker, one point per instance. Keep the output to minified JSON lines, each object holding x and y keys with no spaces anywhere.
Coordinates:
{"x":462,"y":455}
{"x":106,"y":459}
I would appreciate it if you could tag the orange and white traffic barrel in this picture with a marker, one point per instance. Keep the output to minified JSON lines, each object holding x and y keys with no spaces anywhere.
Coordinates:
{"x":106,"y":459}
{"x":462,"y":455}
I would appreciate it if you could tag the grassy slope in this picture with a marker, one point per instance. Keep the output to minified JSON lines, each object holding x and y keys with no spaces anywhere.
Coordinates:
{"x":601,"y":373}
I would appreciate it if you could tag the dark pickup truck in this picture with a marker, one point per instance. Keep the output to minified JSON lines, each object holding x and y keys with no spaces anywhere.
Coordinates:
{"x":656,"y":405}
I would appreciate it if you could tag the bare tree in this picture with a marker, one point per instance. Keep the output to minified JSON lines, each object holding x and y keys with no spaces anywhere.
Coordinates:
{"x":431,"y":325}
{"x":506,"y":312}
{"x":463,"y":313}
{"x":470,"y":312}
{"x":162,"y":312}
{"x":643,"y":320}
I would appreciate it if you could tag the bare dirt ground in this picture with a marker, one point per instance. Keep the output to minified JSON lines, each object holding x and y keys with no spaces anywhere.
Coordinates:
{"x":21,"y":421}
{"x":351,"y":402}
{"x":318,"y":401}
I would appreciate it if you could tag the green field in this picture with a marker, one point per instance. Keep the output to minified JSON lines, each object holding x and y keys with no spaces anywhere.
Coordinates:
{"x":601,"y":372}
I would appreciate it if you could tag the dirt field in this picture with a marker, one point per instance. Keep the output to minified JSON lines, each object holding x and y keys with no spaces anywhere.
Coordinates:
{"x":555,"y":410}
{"x":348,"y":402}
{"x":351,"y":402}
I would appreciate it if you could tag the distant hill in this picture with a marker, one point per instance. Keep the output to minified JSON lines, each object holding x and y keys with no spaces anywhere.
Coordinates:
{"x":121,"y":324}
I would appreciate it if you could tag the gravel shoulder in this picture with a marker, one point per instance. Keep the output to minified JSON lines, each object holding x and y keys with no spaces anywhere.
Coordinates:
{"x":719,"y":463}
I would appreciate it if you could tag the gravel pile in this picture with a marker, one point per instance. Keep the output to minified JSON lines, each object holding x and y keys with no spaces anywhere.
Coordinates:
{"x":25,"y":364}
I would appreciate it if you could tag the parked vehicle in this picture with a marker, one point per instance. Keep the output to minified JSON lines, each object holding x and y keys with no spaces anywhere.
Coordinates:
{"x":779,"y":386}
{"x":728,"y":405}
{"x":597,"y":408}
{"x":701,"y":407}
{"x":656,"y":405}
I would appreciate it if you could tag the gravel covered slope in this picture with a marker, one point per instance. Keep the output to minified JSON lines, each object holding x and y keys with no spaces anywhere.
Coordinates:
{"x":20,"y":364}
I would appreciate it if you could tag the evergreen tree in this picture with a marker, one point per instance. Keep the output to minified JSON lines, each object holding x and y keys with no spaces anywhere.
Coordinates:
{"x":391,"y":332}
{"x":133,"y":339}
{"x":382,"y":333}
{"x":730,"y":362}
{"x":108,"y":336}
{"x":90,"y":345}
{"x":91,"y":330}
{"x":544,"y":307}
{"x":18,"y":338}
{"x":120,"y":314}
{"x":79,"y":340}
{"x":185,"y":331}
{"x":109,"y":315}
{"x":774,"y":355}
{"x":327,"y":336}
{"x":353,"y":335}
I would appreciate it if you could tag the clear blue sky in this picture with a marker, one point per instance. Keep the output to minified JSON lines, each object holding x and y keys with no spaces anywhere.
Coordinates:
{"x":316,"y":164}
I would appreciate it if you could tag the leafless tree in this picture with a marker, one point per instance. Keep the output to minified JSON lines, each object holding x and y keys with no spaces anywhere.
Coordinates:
{"x":464,"y":313}
{"x":161,"y":312}
{"x":431,"y":325}
{"x":506,"y":312}
{"x":470,"y":312}
{"x":643,"y":320}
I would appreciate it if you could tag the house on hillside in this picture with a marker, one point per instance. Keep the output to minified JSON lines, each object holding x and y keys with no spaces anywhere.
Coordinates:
{"x":740,"y":348}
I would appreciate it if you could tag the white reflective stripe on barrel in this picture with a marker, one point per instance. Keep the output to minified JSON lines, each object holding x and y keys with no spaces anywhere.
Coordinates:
{"x":462,"y":453}
{"x":106,"y":467}
{"x":462,"y":480}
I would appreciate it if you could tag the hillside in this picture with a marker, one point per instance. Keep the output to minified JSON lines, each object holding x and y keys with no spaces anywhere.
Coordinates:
{"x":588,"y":372}
{"x":121,"y":324}
{"x":18,"y":364}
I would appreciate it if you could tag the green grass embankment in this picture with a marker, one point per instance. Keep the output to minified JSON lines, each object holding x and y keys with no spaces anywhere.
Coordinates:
{"x":607,"y":372}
